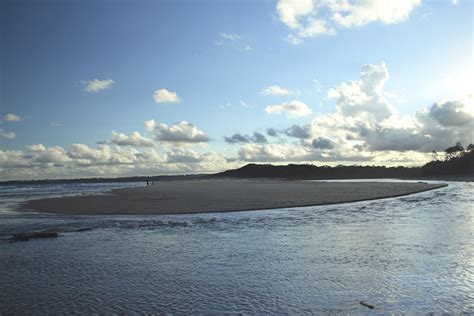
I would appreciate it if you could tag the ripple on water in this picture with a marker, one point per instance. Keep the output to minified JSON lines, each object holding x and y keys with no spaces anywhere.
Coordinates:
{"x":402,"y":255}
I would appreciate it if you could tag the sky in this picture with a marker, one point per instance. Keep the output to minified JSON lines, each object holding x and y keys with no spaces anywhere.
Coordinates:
{"x":120,"y":88}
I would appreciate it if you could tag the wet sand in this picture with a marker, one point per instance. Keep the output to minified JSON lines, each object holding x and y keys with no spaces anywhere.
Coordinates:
{"x":222,"y":195}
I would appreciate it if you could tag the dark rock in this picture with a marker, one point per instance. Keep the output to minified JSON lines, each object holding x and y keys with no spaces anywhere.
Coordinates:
{"x":367,"y":305}
{"x":28,"y":236}
{"x":83,"y":229}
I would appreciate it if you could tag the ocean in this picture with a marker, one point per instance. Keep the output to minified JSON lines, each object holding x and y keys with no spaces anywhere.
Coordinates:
{"x":412,"y":254}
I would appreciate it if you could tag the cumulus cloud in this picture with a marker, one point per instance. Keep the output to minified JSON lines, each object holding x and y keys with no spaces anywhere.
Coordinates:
{"x":292,"y":109}
{"x":52,"y":155}
{"x":272,"y":132}
{"x":189,"y":156}
{"x":239,"y":138}
{"x":182,"y":155}
{"x":286,"y":153}
{"x":96,"y":85}
{"x":311,"y":18}
{"x":84,"y":152}
{"x":364,"y":96}
{"x":299,"y":131}
{"x":7,"y":135}
{"x":10,"y":161}
{"x":271,"y":153}
{"x":365,"y":127}
{"x":276,"y":90}
{"x":366,"y":121}
{"x":291,"y":10}
{"x":135,"y":139}
{"x":322,"y":143}
{"x":364,"y":12}
{"x":12,"y":118}
{"x":80,"y":160}
{"x":451,"y":113}
{"x":179,"y":133}
{"x":36,"y":148}
{"x":433,"y":128}
{"x":165,"y":96}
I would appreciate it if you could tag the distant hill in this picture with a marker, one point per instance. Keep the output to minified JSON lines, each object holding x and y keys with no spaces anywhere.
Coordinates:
{"x":457,"y":161}
{"x":307,"y":171}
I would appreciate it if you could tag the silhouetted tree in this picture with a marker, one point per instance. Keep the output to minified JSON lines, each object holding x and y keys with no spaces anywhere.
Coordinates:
{"x":453,"y":151}
{"x":456,"y":161}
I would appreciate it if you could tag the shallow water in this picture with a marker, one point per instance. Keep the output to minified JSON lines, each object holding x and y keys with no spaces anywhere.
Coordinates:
{"x":412,"y":254}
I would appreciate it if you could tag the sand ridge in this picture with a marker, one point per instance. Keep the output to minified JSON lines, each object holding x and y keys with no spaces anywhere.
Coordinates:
{"x":223,"y":195}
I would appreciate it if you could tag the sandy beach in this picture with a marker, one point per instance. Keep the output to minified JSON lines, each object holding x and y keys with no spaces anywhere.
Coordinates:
{"x":223,"y":195}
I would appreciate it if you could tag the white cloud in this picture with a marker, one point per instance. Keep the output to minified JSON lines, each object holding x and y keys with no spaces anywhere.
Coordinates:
{"x":229,"y":36}
{"x":232,"y":40}
{"x":96,"y":85}
{"x":364,"y":96}
{"x":36,"y":148}
{"x":315,"y":28}
{"x":291,"y":10}
{"x":182,"y":155}
{"x":90,"y":155}
{"x":135,"y":139}
{"x":276,"y":90}
{"x":365,"y":120}
{"x":7,"y":135}
{"x":366,"y":128}
{"x":361,"y":13}
{"x":189,"y":156}
{"x":311,"y":18}
{"x":80,"y":160}
{"x":51,"y":155}
{"x":12,"y":118}
{"x":179,"y":133}
{"x":292,"y":109}
{"x":292,"y":39}
{"x":244,"y":104}
{"x":272,"y":152}
{"x":10,"y":161}
{"x":165,"y":96}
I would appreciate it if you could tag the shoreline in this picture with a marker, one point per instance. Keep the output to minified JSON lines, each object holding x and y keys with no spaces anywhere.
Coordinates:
{"x":455,"y":178}
{"x":208,"y":196}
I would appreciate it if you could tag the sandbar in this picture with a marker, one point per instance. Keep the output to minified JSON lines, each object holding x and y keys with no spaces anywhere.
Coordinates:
{"x":222,"y":195}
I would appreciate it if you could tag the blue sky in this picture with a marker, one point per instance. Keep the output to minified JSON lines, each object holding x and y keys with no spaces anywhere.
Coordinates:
{"x":219,"y":57}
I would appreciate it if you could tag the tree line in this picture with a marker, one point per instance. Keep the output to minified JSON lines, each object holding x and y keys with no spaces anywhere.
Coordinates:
{"x":456,"y":160}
